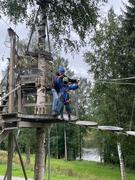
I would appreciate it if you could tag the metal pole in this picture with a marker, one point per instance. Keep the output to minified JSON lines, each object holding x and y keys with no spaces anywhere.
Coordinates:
{"x":122,"y":168}
{"x":65,"y":141}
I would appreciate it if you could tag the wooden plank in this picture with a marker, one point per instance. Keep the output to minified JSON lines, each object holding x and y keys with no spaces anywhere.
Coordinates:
{"x":131,"y":133}
{"x":10,"y":126}
{"x":110,"y":128}
{"x":85,"y":123}
{"x":37,"y":117}
{"x":1,"y":106}
{"x":9,"y":114}
{"x":47,"y":55}
{"x":11,"y":120}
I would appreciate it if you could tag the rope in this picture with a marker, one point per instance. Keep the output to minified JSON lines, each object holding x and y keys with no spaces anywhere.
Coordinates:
{"x":10,"y":92}
{"x":2,"y":81}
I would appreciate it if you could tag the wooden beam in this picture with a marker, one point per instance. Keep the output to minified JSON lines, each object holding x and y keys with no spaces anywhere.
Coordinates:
{"x":34,"y":104}
{"x":19,"y":100}
{"x":24,"y":124}
{"x":45,"y":54}
{"x":20,"y":157}
{"x":3,"y":135}
{"x":37,"y":117}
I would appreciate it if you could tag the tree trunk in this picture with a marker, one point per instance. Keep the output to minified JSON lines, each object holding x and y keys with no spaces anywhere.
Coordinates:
{"x":65,"y":142}
{"x":57,"y":151}
{"x":40,"y":108}
{"x":80,"y":144}
{"x":40,"y":155}
{"x":28,"y":156}
{"x":122,"y":168}
{"x":11,"y":101}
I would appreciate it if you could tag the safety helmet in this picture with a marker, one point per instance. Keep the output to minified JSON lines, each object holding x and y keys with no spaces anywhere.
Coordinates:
{"x":61,"y":70}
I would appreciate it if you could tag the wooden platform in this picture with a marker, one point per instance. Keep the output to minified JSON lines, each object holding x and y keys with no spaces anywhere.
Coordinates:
{"x":14,"y":120}
{"x":39,"y":118}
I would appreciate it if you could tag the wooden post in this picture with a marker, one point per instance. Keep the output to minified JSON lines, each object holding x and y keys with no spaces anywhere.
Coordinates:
{"x":11,"y":69}
{"x":10,"y":156}
{"x":19,"y":100}
{"x":12,"y":36}
{"x":49,"y":164}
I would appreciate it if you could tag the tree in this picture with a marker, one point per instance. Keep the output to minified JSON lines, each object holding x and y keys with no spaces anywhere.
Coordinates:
{"x":129,"y":20}
{"x":63,"y":16}
{"x":112,"y":57}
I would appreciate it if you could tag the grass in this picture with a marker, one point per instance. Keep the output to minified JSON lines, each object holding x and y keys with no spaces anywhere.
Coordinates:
{"x":68,"y":170}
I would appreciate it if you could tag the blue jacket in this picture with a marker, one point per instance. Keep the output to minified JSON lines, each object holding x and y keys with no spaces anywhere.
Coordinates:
{"x":64,"y":92}
{"x":57,"y":83}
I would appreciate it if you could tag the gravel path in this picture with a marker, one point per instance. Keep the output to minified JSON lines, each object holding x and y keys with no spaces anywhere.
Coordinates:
{"x":14,"y":178}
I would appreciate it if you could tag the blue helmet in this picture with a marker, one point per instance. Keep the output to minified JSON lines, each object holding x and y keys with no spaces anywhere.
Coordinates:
{"x":61,"y":70}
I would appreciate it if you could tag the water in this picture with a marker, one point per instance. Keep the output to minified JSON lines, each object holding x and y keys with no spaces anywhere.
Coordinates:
{"x":91,"y":154}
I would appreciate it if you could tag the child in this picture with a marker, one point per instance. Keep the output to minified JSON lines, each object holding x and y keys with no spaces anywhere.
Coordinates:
{"x":65,"y":97}
{"x":56,"y":86}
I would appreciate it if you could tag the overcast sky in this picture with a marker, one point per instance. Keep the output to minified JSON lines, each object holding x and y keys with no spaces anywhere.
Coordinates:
{"x":76,"y":62}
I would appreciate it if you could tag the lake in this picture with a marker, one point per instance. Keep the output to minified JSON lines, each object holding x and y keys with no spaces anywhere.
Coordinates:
{"x":91,"y":154}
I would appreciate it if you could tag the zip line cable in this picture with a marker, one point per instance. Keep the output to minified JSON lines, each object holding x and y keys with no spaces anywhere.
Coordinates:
{"x":4,"y":21}
{"x":8,"y":25}
{"x":119,"y":79}
{"x":107,"y":82}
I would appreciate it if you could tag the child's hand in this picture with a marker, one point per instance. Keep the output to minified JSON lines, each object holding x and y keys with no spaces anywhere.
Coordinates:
{"x":78,"y":82}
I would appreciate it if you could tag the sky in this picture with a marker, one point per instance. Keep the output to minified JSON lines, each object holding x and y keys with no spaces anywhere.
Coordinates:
{"x":76,"y":61}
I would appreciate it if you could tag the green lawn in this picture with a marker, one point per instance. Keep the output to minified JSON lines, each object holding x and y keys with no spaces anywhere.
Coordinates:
{"x":72,"y":170}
